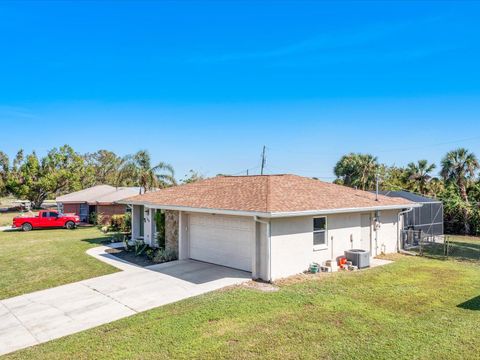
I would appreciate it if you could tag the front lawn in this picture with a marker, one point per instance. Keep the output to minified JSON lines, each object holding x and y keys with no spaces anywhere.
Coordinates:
{"x":415,"y":308}
{"x":41,"y":259}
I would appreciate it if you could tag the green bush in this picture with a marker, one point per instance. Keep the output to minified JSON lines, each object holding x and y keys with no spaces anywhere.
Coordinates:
{"x":120,"y":223}
{"x":164,"y":255}
{"x":150,"y":253}
{"x":93,"y":218}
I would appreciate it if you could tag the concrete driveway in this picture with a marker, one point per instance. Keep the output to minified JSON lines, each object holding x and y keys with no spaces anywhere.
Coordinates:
{"x":44,"y":315}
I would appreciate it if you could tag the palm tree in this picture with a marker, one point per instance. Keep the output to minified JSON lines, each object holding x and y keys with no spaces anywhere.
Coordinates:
{"x":459,"y":166}
{"x":139,"y":170}
{"x":357,"y":170}
{"x":419,"y":173}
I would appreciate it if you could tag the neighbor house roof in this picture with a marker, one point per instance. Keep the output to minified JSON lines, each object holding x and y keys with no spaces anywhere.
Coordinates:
{"x":266,"y":195}
{"x":100,"y":194}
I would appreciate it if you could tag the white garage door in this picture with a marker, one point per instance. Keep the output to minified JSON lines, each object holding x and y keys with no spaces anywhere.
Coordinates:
{"x":222,"y":240}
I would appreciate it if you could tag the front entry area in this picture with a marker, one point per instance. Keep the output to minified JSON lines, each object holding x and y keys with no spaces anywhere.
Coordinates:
{"x":222,"y":239}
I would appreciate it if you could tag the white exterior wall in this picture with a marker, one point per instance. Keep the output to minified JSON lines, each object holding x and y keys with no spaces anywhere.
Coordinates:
{"x":292,"y":249}
{"x":183,"y":239}
{"x":386,"y":240}
{"x":261,"y":266}
{"x":135,"y":221}
{"x":149,"y":227}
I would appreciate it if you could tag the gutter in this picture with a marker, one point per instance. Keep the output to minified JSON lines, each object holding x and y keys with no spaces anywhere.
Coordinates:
{"x":269,"y":246}
{"x":268,"y":214}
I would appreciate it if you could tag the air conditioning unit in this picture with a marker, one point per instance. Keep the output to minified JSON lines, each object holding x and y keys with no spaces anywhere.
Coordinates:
{"x":358,"y":257}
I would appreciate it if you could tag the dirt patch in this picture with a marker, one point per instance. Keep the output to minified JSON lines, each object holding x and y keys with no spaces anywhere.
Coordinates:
{"x":300,"y":278}
{"x":261,"y":286}
{"x":140,"y":260}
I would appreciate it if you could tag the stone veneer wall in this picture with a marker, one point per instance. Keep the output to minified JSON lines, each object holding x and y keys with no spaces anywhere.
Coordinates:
{"x":171,"y":229}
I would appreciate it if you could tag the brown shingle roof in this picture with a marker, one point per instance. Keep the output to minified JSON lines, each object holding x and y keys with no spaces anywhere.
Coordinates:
{"x":265,"y":193}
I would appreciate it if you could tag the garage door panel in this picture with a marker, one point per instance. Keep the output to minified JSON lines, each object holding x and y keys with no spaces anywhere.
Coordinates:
{"x":223,"y":240}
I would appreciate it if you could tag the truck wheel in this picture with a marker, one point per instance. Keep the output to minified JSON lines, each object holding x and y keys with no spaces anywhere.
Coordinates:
{"x":27,"y":227}
{"x":70,"y":225}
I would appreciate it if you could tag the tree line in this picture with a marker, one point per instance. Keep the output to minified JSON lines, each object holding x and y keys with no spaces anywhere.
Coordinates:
{"x":63,"y":170}
{"x":457,"y":185}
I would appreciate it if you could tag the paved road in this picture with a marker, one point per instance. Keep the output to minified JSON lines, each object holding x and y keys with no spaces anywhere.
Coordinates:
{"x":41,"y":316}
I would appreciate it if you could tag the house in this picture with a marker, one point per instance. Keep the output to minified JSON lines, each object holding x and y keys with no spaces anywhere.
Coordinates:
{"x":100,"y":199}
{"x":428,"y":218}
{"x":270,"y":225}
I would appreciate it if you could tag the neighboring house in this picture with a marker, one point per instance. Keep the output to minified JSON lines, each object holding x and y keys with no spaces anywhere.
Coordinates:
{"x":100,"y":199}
{"x":272,"y":225}
{"x":428,"y":218}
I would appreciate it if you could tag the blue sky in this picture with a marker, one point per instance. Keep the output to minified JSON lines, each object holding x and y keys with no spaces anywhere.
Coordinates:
{"x":204,"y":85}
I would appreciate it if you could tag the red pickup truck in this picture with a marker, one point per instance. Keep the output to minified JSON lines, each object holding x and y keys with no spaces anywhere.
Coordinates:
{"x":46,"y":219}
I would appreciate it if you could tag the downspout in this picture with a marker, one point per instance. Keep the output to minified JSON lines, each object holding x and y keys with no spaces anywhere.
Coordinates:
{"x":398,"y":227}
{"x":269,"y":246}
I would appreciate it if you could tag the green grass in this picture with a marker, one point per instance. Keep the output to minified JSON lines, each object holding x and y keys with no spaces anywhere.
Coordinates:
{"x":464,"y":248}
{"x":6,"y":218}
{"x":416,"y":308}
{"x":41,"y":259}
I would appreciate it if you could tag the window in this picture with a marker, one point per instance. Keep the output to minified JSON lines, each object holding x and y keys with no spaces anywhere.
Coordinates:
{"x":319,"y":233}
{"x":48,"y":214}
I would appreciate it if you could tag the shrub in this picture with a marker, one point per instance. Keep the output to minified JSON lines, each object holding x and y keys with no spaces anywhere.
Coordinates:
{"x":93,"y":218}
{"x":118,"y":237}
{"x":127,"y":224}
{"x":150,"y":253}
{"x":120,"y":223}
{"x":164,"y":255}
{"x":96,"y":219}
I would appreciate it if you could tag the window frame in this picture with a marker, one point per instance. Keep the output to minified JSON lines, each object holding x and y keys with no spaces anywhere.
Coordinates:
{"x":320,"y":246}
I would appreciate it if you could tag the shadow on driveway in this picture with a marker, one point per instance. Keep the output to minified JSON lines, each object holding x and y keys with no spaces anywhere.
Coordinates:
{"x":197,"y":272}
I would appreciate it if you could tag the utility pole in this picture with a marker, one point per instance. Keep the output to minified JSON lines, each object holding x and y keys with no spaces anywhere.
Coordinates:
{"x":263,"y":160}
{"x":376,"y":187}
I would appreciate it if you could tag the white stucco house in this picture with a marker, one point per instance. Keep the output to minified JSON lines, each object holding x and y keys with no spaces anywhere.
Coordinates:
{"x":273,"y":226}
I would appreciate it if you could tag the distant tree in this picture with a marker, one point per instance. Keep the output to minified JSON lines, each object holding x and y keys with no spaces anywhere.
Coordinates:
{"x":138,"y":167}
{"x":106,"y":167}
{"x":18,"y":159}
{"x":419,"y":176}
{"x":436,"y":186}
{"x":459,"y":167}
{"x":394,"y":178}
{"x":454,"y":209}
{"x":192,"y":177}
{"x":4,"y":172}
{"x":34,"y":179}
{"x":357,"y":170}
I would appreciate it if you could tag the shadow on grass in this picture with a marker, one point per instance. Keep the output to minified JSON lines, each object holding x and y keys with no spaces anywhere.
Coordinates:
{"x":99,"y":240}
{"x":472,"y":304}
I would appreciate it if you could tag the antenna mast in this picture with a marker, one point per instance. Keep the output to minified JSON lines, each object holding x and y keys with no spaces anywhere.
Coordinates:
{"x":263,"y":160}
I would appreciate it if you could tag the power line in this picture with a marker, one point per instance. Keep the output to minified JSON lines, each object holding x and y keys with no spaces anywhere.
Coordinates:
{"x":246,"y":171}
{"x":424,"y":146}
